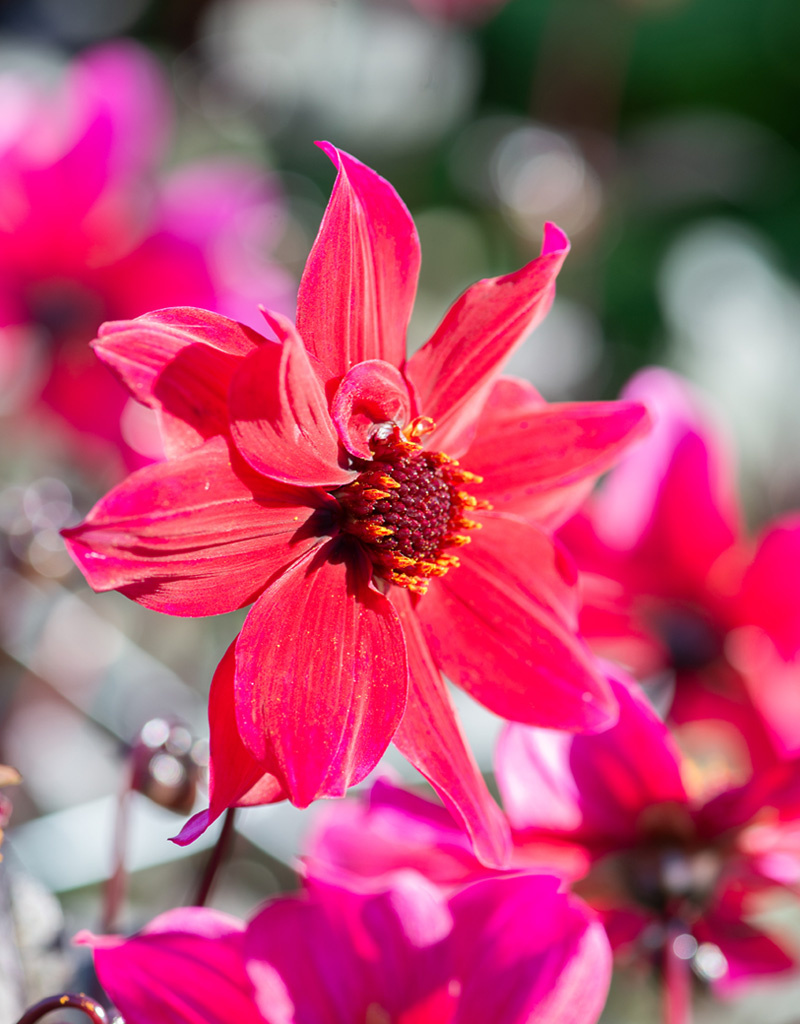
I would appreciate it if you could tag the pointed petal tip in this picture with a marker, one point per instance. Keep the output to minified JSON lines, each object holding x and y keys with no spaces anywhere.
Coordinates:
{"x":193,"y":829}
{"x":329,"y":150}
{"x":554,"y":239}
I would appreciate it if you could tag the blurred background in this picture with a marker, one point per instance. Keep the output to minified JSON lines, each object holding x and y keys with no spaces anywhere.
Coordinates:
{"x":159,"y":152}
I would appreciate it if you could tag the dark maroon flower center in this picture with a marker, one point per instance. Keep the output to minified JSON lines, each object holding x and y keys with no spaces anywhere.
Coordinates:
{"x":407,"y":507}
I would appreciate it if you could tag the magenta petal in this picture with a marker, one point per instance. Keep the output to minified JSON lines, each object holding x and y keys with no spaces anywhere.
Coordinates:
{"x":538,"y":460}
{"x":749,"y":953}
{"x":502,"y":625}
{"x":681,"y":474}
{"x":360,"y":278}
{"x":391,"y":830}
{"x":233,"y":771}
{"x":279,"y":414}
{"x":180,"y":363}
{"x":454,"y":371}
{"x":125,"y":81}
{"x":337,"y":956}
{"x":590,"y":788}
{"x":371,"y":393}
{"x":321,"y":674}
{"x":186,"y":967}
{"x":430,"y":737}
{"x":193,"y":536}
{"x":526,"y":952}
{"x":770,"y":595}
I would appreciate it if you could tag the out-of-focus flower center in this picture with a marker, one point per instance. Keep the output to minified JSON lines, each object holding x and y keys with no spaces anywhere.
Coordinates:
{"x":407,"y":507}
{"x":692,"y":640}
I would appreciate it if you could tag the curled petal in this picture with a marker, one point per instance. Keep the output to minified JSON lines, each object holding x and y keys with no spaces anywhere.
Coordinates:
{"x":454,"y":371}
{"x":321,"y":674}
{"x":371,"y":393}
{"x":503,"y":626}
{"x":279,"y":414}
{"x":194,"y":535}
{"x":179,"y":362}
{"x":360,"y":278}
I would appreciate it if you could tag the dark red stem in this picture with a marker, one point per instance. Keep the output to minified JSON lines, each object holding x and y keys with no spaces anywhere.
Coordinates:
{"x":73,"y":1000}
{"x":218,"y":855}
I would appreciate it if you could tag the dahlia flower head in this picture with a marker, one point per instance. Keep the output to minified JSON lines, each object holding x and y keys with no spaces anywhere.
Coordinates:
{"x":673,"y":582}
{"x":504,"y":951}
{"x":92,"y":228}
{"x":671,"y":844}
{"x":658,"y":844}
{"x":391,"y":520}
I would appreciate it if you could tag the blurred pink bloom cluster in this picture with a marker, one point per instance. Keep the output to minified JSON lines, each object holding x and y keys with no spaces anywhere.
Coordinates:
{"x":401,"y":952}
{"x":91,"y":229}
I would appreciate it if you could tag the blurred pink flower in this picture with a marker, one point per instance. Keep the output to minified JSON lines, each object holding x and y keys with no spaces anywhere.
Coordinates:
{"x":309,"y":476}
{"x":89,"y":231}
{"x":400,"y":954}
{"x":671,"y":580}
{"x":8,"y":777}
{"x":668,"y":854}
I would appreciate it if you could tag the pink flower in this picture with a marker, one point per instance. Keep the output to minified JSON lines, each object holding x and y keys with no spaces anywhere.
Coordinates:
{"x":674,"y":583}
{"x":669,"y":855}
{"x":8,"y":777}
{"x":503,"y":951}
{"x":89,"y":230}
{"x":320,"y":477}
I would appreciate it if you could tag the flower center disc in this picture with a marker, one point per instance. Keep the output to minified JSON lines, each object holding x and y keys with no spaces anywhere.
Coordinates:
{"x":407,"y":507}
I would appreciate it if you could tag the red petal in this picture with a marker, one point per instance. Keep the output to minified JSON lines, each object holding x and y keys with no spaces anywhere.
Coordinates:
{"x":430,"y":737}
{"x":371,"y":393}
{"x":358,"y":286}
{"x":539,"y":460}
{"x":194,"y":535}
{"x":180,"y":363}
{"x":321,"y":674}
{"x":279,"y":414}
{"x":502,"y":625}
{"x":454,"y":371}
{"x":233,"y":771}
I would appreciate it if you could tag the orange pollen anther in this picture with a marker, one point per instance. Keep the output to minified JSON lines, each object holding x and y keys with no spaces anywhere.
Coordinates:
{"x":407,"y":506}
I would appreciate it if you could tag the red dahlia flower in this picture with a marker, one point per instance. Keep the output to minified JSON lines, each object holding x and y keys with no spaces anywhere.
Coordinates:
{"x":320,"y":477}
{"x":677,"y":585}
